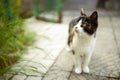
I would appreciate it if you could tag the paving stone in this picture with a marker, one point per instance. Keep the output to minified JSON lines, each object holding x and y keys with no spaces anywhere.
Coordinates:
{"x":6,"y":76}
{"x":19,"y":77}
{"x":62,"y":67}
{"x":115,"y":25}
{"x":89,"y":77}
{"x":17,"y":67}
{"x":33,"y":78}
{"x":105,"y":60}
{"x":33,"y":52}
{"x":39,"y":68}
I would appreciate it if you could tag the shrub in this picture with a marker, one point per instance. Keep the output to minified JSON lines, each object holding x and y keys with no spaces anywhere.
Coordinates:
{"x":13,"y":37}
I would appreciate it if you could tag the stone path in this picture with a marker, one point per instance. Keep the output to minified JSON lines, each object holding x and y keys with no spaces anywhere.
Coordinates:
{"x":105,"y":63}
{"x":40,"y":57}
{"x":48,"y":59}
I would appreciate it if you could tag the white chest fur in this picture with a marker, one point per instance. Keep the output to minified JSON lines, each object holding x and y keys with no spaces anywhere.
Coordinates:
{"x":83,"y":44}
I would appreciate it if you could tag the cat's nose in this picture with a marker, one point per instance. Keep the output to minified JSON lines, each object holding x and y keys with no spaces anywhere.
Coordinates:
{"x":76,"y":29}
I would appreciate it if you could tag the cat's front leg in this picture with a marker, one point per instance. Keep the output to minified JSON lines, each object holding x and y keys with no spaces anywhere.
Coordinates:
{"x":86,"y":61}
{"x":77,"y":61}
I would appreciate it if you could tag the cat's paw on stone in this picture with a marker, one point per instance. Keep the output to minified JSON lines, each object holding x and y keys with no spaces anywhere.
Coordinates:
{"x":86,"y":70}
{"x":78,"y":70}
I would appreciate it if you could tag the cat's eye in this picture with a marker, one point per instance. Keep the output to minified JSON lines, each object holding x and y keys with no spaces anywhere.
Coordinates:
{"x":84,"y":25}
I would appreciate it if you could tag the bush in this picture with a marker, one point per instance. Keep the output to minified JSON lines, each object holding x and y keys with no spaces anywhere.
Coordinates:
{"x":13,"y":37}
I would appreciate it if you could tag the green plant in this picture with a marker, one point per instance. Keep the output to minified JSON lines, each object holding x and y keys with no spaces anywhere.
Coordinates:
{"x":14,"y":39}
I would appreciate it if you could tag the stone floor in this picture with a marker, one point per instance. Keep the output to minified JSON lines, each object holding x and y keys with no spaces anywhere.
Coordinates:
{"x":48,"y":59}
{"x":40,"y":57}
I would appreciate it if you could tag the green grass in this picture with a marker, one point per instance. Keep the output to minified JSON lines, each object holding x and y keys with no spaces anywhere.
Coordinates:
{"x":14,"y":39}
{"x":13,"y":43}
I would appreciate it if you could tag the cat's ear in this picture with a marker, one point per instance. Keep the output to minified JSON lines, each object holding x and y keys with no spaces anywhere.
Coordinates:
{"x":82,"y":12}
{"x":94,"y":16}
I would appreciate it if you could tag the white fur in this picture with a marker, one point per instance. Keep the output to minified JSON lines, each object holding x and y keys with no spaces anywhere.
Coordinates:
{"x":83,"y":45}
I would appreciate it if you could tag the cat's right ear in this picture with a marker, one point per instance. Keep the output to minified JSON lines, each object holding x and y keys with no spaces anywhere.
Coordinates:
{"x":82,"y":12}
{"x":94,"y":16}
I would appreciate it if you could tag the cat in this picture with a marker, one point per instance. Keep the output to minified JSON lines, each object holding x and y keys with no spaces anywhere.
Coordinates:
{"x":82,"y":38}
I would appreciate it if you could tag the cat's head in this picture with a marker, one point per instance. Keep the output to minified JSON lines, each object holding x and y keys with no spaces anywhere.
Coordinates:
{"x":87,"y":24}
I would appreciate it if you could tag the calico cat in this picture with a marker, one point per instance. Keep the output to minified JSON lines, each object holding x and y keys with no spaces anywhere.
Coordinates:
{"x":81,"y":40}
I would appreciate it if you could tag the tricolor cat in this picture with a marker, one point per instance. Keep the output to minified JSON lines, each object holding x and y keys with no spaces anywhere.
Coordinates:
{"x":81,"y":40}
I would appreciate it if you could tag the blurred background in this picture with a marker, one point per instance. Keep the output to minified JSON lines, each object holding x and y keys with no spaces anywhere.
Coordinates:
{"x":91,"y":4}
{"x":43,"y":8}
{"x":37,"y":7}
{"x":14,"y":39}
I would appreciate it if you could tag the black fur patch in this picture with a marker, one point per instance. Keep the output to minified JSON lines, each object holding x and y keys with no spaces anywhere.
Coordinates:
{"x":89,"y":25}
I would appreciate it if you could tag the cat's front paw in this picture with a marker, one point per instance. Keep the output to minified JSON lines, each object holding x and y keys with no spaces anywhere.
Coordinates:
{"x":86,"y":70}
{"x":78,"y":70}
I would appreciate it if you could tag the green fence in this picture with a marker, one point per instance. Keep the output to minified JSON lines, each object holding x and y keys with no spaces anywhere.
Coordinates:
{"x":41,"y":6}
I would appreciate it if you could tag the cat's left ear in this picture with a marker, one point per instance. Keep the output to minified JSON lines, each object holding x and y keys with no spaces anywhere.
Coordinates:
{"x":94,"y":16}
{"x":82,"y":12}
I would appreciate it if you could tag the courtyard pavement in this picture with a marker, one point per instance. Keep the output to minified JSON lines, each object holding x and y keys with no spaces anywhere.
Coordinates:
{"x":48,"y":58}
